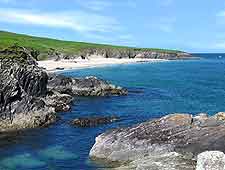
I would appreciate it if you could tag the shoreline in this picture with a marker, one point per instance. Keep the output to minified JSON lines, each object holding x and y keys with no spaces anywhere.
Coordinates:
{"x":65,"y":65}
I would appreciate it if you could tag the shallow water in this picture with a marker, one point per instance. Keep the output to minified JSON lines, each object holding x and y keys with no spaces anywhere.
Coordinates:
{"x":154,"y":90}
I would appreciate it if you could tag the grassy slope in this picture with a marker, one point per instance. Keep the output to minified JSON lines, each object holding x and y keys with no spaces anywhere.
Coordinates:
{"x":44,"y":44}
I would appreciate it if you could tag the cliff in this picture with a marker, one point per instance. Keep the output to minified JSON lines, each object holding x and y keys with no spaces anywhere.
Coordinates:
{"x":58,"y":49}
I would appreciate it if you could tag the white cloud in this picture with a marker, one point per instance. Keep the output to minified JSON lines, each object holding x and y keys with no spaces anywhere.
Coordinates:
{"x":79,"y":20}
{"x":92,"y":26}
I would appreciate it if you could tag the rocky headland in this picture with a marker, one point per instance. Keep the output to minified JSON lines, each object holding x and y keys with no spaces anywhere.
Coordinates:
{"x":172,"y":142}
{"x":30,"y":97}
{"x":123,"y":53}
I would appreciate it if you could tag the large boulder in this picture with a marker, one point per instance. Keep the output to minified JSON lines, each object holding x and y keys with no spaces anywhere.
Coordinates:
{"x":181,"y":133}
{"x":89,"y":86}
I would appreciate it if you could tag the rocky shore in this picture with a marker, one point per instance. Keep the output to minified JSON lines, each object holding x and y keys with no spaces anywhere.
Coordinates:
{"x":171,"y":142}
{"x":30,"y":97}
{"x":124,"y":53}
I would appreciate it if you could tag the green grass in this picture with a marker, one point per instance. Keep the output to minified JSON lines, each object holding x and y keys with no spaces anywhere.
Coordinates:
{"x":68,"y":47}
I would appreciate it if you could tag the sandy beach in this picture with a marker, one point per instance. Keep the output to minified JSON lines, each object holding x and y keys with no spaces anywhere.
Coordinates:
{"x":53,"y":66}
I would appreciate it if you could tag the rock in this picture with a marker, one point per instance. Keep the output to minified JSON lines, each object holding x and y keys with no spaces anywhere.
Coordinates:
{"x":29,"y":98}
{"x":181,"y":133}
{"x":124,"y":53}
{"x":22,"y":91}
{"x":168,"y":161}
{"x":211,"y":160}
{"x":136,"y":53}
{"x":220,"y":116}
{"x":89,"y":86}
{"x":61,"y":102}
{"x":93,"y":121}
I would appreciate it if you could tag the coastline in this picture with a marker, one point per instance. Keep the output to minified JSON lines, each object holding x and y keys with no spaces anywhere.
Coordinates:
{"x":54,"y":66}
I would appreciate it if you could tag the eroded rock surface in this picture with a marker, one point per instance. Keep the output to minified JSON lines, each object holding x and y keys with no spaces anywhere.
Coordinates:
{"x":181,"y":133}
{"x":211,"y":160}
{"x":127,"y":53}
{"x":22,"y":91}
{"x":89,"y":86}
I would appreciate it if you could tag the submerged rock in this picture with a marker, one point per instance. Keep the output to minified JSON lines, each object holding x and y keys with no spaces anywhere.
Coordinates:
{"x":89,"y":86}
{"x":93,"y":121}
{"x":181,"y":133}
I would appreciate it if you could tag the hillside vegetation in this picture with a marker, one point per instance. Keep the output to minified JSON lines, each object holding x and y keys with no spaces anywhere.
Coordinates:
{"x":44,"y":45}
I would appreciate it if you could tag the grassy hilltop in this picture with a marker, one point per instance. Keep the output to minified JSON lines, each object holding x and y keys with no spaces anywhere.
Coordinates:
{"x":43,"y":45}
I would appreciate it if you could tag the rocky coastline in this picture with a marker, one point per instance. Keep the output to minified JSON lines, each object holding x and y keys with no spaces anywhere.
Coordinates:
{"x":171,"y":142}
{"x":123,"y":53}
{"x":31,"y":97}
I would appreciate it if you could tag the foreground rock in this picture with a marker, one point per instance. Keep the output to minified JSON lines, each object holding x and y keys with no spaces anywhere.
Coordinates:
{"x":180,"y":133}
{"x":89,"y":86}
{"x":93,"y":121}
{"x":211,"y":160}
{"x":22,"y":91}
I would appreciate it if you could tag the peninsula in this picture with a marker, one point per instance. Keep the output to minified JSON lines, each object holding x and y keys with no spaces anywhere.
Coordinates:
{"x":60,"y":55}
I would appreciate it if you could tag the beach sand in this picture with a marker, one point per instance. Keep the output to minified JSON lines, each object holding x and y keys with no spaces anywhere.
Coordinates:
{"x":53,"y":66}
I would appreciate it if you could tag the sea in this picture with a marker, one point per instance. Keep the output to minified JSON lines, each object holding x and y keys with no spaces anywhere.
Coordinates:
{"x":155,"y":90}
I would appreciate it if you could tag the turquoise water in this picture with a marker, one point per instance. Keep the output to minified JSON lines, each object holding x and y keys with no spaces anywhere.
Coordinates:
{"x":155,"y":90}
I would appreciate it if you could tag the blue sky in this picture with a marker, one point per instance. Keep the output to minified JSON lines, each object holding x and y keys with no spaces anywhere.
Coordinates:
{"x":190,"y":25}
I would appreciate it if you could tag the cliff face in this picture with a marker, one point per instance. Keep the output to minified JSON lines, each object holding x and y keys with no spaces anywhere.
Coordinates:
{"x":123,"y":53}
{"x":22,"y":105}
{"x":136,"y":53}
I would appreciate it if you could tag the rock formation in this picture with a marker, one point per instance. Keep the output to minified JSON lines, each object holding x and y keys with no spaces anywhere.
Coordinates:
{"x":22,"y":91}
{"x":93,"y":121}
{"x":124,"y":53}
{"x":136,"y":53}
{"x":30,"y":98}
{"x":89,"y":86}
{"x":184,"y":134}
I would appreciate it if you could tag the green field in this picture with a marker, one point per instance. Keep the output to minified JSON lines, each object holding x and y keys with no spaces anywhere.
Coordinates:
{"x":68,"y":47}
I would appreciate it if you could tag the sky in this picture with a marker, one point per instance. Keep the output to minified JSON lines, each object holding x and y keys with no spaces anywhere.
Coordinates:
{"x":188,"y":25}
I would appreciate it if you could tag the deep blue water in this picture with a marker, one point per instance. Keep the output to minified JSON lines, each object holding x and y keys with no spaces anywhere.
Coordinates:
{"x":154,"y":90}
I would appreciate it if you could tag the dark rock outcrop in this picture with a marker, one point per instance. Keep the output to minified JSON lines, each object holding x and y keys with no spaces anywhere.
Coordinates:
{"x":93,"y":121}
{"x":89,"y":86}
{"x":22,"y":92}
{"x":30,"y":98}
{"x":181,"y":133}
